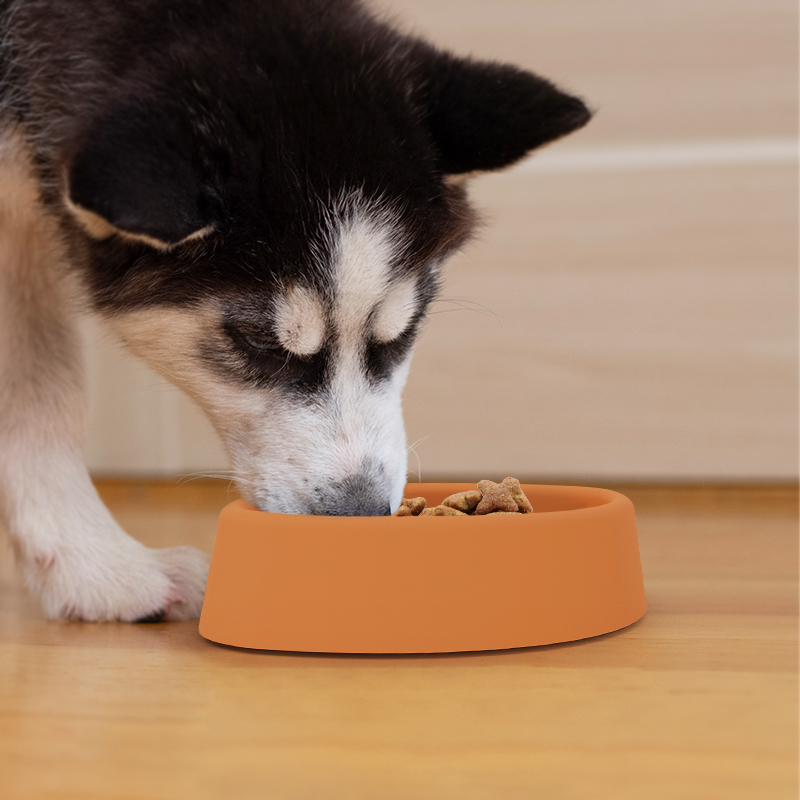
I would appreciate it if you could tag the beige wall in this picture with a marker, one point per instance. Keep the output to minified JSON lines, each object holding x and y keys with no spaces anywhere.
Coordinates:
{"x":638,"y":279}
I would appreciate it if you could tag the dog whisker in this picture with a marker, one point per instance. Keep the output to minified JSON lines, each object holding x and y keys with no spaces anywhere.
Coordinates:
{"x":216,"y":476}
{"x":412,"y":449}
{"x":465,"y":304}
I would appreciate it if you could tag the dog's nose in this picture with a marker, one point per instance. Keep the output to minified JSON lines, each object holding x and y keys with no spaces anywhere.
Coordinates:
{"x":356,"y":496}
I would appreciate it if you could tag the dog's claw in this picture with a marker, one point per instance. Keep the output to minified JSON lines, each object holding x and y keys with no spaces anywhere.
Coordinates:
{"x":156,"y":616}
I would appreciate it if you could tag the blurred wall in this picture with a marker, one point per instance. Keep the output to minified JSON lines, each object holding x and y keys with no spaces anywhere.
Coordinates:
{"x":637,"y":279}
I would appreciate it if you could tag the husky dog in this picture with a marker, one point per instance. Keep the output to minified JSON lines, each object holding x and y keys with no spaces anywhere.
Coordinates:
{"x":258,"y":197}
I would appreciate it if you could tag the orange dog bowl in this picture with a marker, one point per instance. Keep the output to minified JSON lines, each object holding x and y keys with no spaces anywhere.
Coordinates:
{"x":426,"y":584}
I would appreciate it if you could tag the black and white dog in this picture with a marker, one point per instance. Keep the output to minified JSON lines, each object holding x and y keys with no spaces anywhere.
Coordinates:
{"x":258,"y":196}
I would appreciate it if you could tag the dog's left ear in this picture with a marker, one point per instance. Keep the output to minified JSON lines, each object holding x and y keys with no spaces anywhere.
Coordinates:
{"x":485,"y":116}
{"x":136,"y":175}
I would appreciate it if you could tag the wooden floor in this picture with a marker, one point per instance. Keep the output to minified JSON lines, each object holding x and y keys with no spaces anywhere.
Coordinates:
{"x":697,"y":700}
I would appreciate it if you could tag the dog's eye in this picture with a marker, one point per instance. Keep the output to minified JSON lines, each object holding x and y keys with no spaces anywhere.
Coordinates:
{"x":257,"y":340}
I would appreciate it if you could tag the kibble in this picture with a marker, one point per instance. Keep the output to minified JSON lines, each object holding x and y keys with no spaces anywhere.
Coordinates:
{"x":515,"y":490}
{"x":496,"y":497}
{"x":505,"y":497}
{"x":411,"y":507}
{"x":463,"y":501}
{"x":442,"y":511}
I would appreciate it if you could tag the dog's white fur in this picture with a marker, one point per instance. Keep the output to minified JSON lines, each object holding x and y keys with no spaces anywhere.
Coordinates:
{"x":282,"y":451}
{"x":300,"y":322}
{"x":396,"y":310}
{"x":74,"y":555}
{"x":181,"y":133}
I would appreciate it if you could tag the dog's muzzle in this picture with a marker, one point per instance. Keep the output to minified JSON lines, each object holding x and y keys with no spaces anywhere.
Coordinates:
{"x":362,"y":495}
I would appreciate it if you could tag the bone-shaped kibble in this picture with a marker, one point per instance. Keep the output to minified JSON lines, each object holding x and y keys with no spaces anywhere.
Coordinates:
{"x":515,"y":490}
{"x":411,"y":507}
{"x":496,"y":497}
{"x":442,"y":511}
{"x":463,"y":501}
{"x":490,"y":498}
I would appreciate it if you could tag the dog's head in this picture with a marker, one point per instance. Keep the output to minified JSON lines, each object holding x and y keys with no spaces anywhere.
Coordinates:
{"x":264,"y":216}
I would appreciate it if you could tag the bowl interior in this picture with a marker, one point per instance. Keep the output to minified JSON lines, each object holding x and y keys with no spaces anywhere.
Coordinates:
{"x":543,"y":498}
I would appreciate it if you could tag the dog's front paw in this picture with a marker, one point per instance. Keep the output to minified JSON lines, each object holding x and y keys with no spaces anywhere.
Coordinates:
{"x":187,"y":571}
{"x":120,"y":579}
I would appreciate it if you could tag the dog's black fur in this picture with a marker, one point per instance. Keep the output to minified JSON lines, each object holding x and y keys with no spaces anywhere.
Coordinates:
{"x":171,"y":115}
{"x":202,"y":159}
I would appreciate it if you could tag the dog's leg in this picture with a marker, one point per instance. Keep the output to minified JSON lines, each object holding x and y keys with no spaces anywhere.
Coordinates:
{"x":74,"y":555}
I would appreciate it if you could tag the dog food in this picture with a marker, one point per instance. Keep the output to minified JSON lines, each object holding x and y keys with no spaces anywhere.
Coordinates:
{"x":442,"y":511}
{"x":411,"y":507}
{"x":465,"y":502}
{"x":506,"y":497}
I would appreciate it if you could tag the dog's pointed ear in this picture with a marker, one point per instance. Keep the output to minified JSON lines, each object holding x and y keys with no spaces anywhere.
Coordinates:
{"x":486,"y":116}
{"x":136,"y":174}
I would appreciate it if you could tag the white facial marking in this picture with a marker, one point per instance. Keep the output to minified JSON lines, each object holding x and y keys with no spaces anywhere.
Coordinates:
{"x":367,"y":417}
{"x":287,"y":454}
{"x":395,"y":311}
{"x":300,"y":321}
{"x":362,"y":257}
{"x":279,"y":448}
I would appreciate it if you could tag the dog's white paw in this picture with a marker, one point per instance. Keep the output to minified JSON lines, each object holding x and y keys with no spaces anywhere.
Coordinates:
{"x":119,"y":579}
{"x":187,"y":570}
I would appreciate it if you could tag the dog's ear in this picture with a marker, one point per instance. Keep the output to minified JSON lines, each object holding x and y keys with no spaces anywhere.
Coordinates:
{"x":486,"y":116}
{"x":136,"y":174}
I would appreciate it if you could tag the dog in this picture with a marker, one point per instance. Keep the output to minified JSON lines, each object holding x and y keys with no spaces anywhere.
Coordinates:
{"x":257,"y":196}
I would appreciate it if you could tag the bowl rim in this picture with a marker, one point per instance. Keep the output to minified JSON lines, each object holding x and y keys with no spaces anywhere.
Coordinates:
{"x":605,"y":497}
